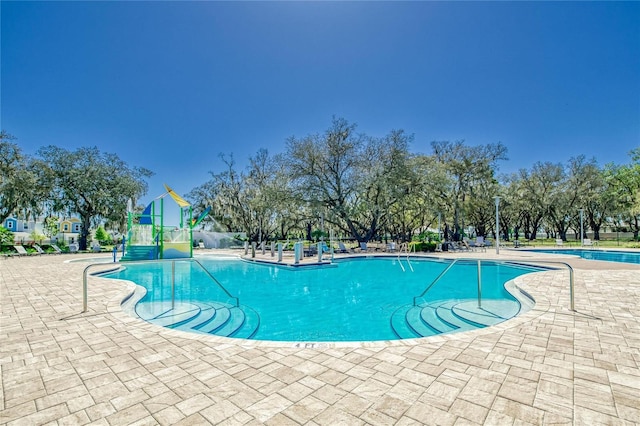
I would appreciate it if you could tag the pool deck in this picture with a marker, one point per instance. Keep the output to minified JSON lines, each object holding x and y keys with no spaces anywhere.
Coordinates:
{"x":548,"y":366}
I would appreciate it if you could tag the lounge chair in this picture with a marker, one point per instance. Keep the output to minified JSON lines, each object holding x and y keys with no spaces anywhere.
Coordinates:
{"x":73,"y":248}
{"x":56,"y":249}
{"x":587,"y":242}
{"x":21,"y":251}
{"x":363,"y":246}
{"x":95,"y":247}
{"x":342,"y":248}
{"x":39,"y":249}
{"x":559,"y":242}
{"x":391,"y":247}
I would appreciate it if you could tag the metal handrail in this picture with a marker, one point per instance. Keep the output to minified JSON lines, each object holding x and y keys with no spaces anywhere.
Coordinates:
{"x":527,"y":263}
{"x":552,"y":262}
{"x":406,"y":250}
{"x":173,"y":261}
{"x":217,"y":282}
{"x":84,"y":283}
{"x":434,"y":281}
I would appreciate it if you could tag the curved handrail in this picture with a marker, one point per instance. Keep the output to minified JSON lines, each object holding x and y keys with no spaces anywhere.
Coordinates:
{"x":217,"y":282}
{"x":515,"y":262}
{"x":84,"y":283}
{"x":434,"y":281}
{"x":571,"y":274}
{"x":85,"y":286}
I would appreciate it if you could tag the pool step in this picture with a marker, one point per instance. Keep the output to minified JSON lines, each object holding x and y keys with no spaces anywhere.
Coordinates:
{"x":217,"y":318}
{"x":450,"y":316}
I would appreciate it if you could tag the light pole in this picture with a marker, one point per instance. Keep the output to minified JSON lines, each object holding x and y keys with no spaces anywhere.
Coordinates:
{"x":497,"y":225}
{"x":581,"y":227}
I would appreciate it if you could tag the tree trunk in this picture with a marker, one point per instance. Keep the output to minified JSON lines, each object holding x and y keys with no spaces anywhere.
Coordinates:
{"x":84,"y":232}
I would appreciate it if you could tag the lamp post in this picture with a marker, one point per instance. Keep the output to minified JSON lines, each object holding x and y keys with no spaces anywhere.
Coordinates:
{"x":497,"y":199}
{"x":581,"y":227}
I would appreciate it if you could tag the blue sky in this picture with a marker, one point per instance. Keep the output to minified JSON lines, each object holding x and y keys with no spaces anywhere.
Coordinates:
{"x":170,"y":85}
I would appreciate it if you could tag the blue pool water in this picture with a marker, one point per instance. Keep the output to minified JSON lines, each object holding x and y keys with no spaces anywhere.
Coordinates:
{"x":350,"y":300}
{"x":598,"y":254}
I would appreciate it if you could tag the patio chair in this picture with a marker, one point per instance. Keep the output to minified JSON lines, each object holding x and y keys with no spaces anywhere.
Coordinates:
{"x":363,"y":246}
{"x":587,"y":242}
{"x":559,"y":242}
{"x":342,"y":248}
{"x":39,"y":249}
{"x":56,"y":249}
{"x":391,"y":247}
{"x":21,"y":251}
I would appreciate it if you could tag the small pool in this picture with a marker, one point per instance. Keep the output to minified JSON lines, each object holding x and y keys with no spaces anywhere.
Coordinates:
{"x":364,"y":299}
{"x":598,"y":254}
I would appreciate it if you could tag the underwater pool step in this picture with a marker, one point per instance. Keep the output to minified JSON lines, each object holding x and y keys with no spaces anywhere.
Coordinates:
{"x":221,"y":317}
{"x":491,"y":312}
{"x":216,"y":318}
{"x":399,"y":324}
{"x":207,"y":312}
{"x":445,"y":313}
{"x":417,"y":324}
{"x":250,"y":326}
{"x":450,"y":316}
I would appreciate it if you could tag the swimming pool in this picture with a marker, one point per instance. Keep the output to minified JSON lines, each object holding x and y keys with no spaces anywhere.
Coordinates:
{"x":350,"y":300}
{"x":598,"y":254}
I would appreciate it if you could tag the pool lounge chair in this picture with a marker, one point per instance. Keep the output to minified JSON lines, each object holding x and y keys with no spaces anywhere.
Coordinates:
{"x":559,"y":242}
{"x":587,"y":242}
{"x":342,"y":248}
{"x":56,"y":249}
{"x":21,"y":251}
{"x":39,"y":249}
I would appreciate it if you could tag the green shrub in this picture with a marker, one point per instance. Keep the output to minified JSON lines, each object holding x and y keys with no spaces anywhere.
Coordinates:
{"x":6,"y":237}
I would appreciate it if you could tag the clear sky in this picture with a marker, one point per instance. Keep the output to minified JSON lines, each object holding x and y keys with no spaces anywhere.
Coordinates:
{"x":170,"y":85}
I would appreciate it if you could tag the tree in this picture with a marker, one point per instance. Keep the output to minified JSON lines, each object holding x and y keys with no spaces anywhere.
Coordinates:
{"x":624,"y":181}
{"x":101,"y":236}
{"x":23,"y":186}
{"x":92,"y":184}
{"x":539,"y":189}
{"x":50,"y":227}
{"x":347,"y":175}
{"x":467,"y":166}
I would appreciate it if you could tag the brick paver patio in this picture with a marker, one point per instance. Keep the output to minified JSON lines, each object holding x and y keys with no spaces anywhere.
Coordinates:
{"x":549,"y":366}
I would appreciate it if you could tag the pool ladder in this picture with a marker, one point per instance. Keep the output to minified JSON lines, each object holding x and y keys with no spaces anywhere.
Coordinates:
{"x":405,"y":246}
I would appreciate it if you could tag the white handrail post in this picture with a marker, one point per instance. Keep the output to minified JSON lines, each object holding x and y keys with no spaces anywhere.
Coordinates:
{"x":173,"y":284}
{"x":497,"y":199}
{"x":479,"y":285}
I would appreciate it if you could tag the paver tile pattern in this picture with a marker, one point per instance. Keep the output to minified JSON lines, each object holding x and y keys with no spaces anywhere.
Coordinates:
{"x":548,"y":366}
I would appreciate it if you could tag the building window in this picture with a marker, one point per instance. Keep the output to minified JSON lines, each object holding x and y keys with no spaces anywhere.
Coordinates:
{"x":65,"y":228}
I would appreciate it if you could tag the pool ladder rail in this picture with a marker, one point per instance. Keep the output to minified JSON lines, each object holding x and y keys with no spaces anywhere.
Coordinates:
{"x":407,"y":252}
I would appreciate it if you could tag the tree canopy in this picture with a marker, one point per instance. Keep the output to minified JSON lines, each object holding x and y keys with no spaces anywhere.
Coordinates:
{"x":359,"y":186}
{"x":92,"y":184}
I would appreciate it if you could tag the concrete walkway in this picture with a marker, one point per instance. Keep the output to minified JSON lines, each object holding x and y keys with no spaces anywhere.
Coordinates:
{"x":549,"y":366}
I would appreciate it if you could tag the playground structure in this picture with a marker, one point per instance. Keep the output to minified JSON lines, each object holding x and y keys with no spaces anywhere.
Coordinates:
{"x":149,"y":239}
